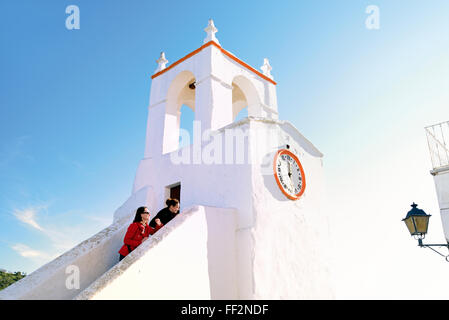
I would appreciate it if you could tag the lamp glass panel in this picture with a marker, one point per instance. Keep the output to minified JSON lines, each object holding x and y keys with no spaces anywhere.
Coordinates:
{"x":410,"y":226}
{"x":422,"y":223}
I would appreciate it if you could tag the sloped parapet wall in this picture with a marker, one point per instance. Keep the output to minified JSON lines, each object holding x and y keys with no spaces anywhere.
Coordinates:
{"x":191,"y":257}
{"x":87,"y":261}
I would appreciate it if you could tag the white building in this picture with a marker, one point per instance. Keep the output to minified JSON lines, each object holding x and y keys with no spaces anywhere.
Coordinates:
{"x":438,"y":139}
{"x":251,"y":225}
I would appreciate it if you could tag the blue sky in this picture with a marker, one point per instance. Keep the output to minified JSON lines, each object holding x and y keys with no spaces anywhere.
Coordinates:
{"x":73,"y":106}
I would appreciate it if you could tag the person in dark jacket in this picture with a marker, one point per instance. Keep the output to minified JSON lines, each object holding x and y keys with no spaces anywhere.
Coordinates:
{"x":138,"y":231}
{"x":166,"y":214}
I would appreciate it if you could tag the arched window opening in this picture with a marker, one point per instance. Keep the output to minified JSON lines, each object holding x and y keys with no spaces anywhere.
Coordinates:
{"x":245,"y":99}
{"x":186,"y":126}
{"x":239,"y":103}
{"x":179,"y":113}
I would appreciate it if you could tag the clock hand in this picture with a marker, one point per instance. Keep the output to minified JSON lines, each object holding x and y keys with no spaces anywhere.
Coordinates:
{"x":290,"y":172}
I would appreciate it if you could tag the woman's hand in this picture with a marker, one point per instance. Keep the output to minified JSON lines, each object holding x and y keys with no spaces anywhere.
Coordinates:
{"x":158,"y":222}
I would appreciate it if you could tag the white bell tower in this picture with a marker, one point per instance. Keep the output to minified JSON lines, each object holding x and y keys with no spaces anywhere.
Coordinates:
{"x":280,"y":243}
{"x":214,"y":83}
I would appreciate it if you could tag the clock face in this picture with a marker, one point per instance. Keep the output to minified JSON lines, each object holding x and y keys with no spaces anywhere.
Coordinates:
{"x":289,"y":174}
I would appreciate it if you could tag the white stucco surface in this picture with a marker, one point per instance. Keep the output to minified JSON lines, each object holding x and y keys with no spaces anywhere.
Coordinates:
{"x":282,"y":244}
{"x":290,"y":237}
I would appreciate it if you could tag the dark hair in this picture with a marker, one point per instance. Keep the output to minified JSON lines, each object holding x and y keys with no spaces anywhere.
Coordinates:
{"x":171,"y":202}
{"x":138,"y":217}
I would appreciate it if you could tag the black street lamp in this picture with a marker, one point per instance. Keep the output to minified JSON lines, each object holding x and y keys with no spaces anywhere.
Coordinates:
{"x":417,"y":222}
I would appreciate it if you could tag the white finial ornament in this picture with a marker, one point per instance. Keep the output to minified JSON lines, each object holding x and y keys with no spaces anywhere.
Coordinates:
{"x":161,"y":62}
{"x":266,"y":68}
{"x":211,"y":30}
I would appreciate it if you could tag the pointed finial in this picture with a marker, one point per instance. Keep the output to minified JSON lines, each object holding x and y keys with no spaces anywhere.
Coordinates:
{"x":266,"y":68}
{"x":211,"y":30}
{"x":161,"y":62}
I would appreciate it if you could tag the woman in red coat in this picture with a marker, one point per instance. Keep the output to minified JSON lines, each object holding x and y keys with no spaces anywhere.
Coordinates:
{"x":138,"y":231}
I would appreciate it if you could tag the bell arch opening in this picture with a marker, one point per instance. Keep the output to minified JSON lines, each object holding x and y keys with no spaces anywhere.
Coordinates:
{"x":245,"y":99}
{"x":187,"y":116}
{"x":180,"y":98}
{"x":239,"y":103}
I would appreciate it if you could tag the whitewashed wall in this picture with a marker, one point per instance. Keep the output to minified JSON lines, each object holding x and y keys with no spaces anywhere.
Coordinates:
{"x":290,"y":237}
{"x":282,"y":244}
{"x":215,"y":184}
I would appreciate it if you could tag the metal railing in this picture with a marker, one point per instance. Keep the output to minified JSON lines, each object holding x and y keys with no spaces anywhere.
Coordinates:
{"x":438,"y":141}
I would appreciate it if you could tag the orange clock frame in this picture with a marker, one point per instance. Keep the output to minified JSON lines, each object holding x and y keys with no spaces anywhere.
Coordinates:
{"x":295,"y":158}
